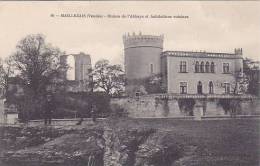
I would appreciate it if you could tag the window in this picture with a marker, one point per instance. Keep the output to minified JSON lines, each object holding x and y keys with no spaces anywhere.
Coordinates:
{"x":212,"y":67}
{"x":183,"y":87}
{"x":183,"y":67}
{"x":151,"y":68}
{"x":207,"y":67}
{"x":202,"y":67}
{"x":227,"y":87}
{"x":199,"y":88}
{"x":197,"y":67}
{"x":225,"y":67}
{"x":211,"y":87}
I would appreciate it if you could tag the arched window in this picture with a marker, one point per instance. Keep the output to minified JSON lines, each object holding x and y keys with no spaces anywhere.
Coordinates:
{"x":207,"y":67}
{"x":199,"y":88}
{"x":212,"y":67}
{"x":211,"y":90}
{"x":202,"y":67}
{"x":197,"y":67}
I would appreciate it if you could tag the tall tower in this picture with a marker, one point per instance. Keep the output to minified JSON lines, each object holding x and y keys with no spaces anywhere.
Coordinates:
{"x":63,"y":61}
{"x":142,"y":58}
{"x":82,"y":66}
{"x":239,"y":60}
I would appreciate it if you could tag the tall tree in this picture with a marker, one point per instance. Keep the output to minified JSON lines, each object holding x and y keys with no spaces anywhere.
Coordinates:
{"x":38,"y":63}
{"x":252,"y":71}
{"x":6,"y":71}
{"x":39,"y":66}
{"x":109,"y":78}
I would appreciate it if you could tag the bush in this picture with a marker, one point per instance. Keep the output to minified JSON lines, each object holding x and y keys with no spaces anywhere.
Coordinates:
{"x":230,"y":105}
{"x":186,"y":105}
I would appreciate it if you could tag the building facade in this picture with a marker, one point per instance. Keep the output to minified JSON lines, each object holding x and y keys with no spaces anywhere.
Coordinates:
{"x":182,"y":72}
{"x":201,"y":72}
{"x":192,"y":83}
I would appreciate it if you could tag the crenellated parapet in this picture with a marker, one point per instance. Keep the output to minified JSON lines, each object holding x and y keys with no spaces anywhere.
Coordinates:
{"x":139,"y":40}
{"x":203,"y":54}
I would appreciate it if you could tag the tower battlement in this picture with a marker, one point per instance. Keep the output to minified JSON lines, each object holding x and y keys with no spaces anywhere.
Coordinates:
{"x":139,"y":40}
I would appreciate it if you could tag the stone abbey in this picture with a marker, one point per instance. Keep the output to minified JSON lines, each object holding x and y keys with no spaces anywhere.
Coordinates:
{"x":199,"y":80}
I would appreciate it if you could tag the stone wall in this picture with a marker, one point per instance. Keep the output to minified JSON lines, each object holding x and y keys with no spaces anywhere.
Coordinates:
{"x":151,"y":106}
{"x":64,"y":122}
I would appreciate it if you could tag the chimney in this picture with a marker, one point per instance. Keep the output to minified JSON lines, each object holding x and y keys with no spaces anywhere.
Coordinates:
{"x":238,"y":51}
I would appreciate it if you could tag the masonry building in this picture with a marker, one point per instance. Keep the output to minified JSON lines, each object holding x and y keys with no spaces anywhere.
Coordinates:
{"x":182,"y":72}
{"x":203,"y":79}
{"x":78,"y":76}
{"x":201,"y":72}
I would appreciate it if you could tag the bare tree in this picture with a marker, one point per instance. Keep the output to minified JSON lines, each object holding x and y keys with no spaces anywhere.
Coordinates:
{"x":109,"y":78}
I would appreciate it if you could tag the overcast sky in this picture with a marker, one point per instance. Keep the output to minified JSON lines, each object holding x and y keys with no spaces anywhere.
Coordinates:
{"x":211,"y":26}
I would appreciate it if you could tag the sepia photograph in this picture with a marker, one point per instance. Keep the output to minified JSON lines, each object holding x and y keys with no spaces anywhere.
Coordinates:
{"x":129,"y":83}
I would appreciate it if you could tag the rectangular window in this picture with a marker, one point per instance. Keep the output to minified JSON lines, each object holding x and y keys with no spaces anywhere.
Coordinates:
{"x":183,"y":87}
{"x":151,"y":68}
{"x":227,"y":87}
{"x":183,"y":67}
{"x":225,"y":67}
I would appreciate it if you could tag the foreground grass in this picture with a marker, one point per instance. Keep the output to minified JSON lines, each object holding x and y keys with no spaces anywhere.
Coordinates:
{"x":234,"y":142}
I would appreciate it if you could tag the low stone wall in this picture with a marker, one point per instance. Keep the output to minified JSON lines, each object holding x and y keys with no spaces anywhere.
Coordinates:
{"x":64,"y":122}
{"x":153,"y":106}
{"x":149,"y":107}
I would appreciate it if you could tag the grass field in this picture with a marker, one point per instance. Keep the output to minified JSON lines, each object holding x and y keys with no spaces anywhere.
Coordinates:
{"x":234,"y":142}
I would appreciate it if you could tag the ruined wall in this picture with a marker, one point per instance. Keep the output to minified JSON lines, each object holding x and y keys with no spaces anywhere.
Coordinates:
{"x":82,"y":66}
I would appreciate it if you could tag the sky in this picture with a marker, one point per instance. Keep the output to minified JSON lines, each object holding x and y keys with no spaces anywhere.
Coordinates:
{"x":210,"y":26}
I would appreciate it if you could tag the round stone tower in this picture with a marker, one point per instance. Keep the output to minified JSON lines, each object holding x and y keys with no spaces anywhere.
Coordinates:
{"x":142,"y":57}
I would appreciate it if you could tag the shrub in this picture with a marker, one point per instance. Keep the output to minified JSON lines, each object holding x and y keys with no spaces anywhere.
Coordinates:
{"x":186,"y":105}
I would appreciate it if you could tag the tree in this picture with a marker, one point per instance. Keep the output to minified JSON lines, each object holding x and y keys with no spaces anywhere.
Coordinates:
{"x":252,"y":71}
{"x":39,"y":66}
{"x":232,"y":106}
{"x":240,"y":84}
{"x":153,"y":84}
{"x":38,"y":63}
{"x":6,"y":71}
{"x":108,"y":78}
